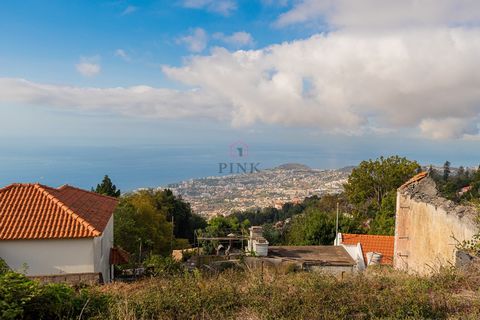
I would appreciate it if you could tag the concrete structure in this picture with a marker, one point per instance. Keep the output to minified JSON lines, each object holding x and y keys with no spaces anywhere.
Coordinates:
{"x":46,"y":231}
{"x":257,"y":244}
{"x":356,"y":252}
{"x":428,"y":227}
{"x":333,"y":259}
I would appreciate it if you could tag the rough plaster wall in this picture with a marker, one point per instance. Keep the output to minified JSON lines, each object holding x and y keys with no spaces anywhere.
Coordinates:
{"x":424,"y":235}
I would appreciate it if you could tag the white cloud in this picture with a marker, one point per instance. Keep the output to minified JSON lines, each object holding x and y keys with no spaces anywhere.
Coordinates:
{"x":449,"y":128}
{"x":223,"y":7}
{"x":382,"y":13}
{"x":237,"y":39}
{"x":196,"y":41}
{"x":348,"y":82}
{"x":129,"y":9}
{"x":409,"y":66}
{"x":343,"y":82}
{"x":138,"y":101}
{"x":122,"y":54}
{"x":88,"y":67}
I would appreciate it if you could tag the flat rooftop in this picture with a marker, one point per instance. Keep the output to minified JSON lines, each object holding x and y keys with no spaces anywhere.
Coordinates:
{"x":323,"y":255}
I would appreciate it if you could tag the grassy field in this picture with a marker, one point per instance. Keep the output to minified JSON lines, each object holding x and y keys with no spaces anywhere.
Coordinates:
{"x":376,"y":294}
{"x":239,"y":294}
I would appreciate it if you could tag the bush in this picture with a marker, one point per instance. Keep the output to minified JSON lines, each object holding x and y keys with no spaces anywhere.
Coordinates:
{"x":16,"y":291}
{"x":22,"y":298}
{"x":161,"y":266}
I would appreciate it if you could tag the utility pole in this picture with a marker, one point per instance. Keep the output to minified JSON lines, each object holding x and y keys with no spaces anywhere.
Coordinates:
{"x":172,"y":235}
{"x":336,"y":226}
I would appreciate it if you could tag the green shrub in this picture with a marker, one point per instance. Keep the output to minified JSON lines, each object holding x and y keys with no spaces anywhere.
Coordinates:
{"x":16,"y":291}
{"x":22,"y":298}
{"x":161,"y":266}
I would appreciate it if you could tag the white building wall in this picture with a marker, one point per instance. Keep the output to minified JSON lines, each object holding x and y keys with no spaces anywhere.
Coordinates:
{"x":355,"y":251}
{"x":48,"y":257}
{"x":102,"y":247}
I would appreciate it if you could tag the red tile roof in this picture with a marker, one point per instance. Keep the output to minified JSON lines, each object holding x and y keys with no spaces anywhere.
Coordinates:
{"x":372,"y":243}
{"x":35,"y":211}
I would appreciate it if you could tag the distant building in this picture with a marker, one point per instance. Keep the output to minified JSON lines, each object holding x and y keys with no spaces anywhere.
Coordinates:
{"x":366,"y":249}
{"x":56,"y":232}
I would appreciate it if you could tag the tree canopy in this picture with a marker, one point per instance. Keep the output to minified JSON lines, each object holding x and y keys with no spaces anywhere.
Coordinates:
{"x":154,"y":222}
{"x":372,"y":180}
{"x":107,"y":188}
{"x":140,"y":228}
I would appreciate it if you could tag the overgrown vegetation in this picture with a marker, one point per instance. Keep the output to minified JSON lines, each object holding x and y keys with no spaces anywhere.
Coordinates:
{"x":250,"y":294}
{"x":22,"y":298}
{"x":379,"y":293}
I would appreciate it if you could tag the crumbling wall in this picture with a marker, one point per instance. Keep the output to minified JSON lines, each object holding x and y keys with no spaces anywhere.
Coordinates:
{"x":429,"y":227}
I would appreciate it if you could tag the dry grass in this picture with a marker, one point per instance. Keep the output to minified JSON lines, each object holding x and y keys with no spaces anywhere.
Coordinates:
{"x":376,"y":294}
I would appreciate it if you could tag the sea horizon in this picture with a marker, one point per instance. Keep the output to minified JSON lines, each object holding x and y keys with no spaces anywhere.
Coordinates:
{"x":151,"y":166}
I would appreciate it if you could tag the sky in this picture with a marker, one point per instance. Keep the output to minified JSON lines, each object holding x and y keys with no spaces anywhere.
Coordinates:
{"x":152,"y":92}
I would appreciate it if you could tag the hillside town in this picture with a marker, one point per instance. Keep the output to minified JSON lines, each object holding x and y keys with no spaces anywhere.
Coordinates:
{"x":223,"y":195}
{"x":240,"y":160}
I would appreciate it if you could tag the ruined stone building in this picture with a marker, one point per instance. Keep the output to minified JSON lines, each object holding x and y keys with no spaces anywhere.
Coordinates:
{"x":428,"y":228}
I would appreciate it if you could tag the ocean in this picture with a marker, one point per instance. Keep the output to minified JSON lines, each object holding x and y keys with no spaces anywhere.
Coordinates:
{"x":139,"y":166}
{"x":132,"y":167}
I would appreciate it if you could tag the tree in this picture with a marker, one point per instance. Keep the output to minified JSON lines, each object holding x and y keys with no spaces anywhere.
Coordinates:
{"x":372,"y":180}
{"x":384,"y":222}
{"x":315,"y":227}
{"x":140,"y":227}
{"x":107,"y":188}
{"x":185,"y":222}
{"x":446,"y":170}
{"x":461,"y":172}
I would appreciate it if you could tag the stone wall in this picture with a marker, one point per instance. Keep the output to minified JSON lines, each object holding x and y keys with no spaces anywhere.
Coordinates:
{"x":72,"y":278}
{"x":428,"y":228}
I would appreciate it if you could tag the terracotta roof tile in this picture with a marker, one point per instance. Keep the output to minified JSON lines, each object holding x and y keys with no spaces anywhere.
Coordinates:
{"x":372,"y":243}
{"x":34,"y":211}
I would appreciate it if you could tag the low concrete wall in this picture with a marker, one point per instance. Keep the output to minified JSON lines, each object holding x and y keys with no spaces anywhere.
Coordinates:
{"x":72,"y":278}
